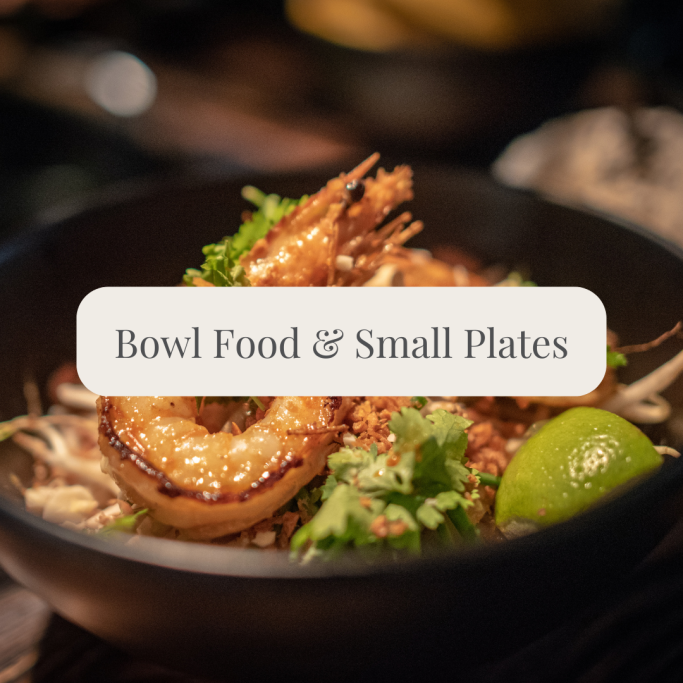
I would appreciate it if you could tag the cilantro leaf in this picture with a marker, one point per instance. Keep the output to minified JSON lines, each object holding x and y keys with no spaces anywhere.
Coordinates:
{"x":308,"y":502}
{"x":372,"y":499}
{"x":328,"y":487}
{"x":441,"y":441}
{"x":370,"y":472}
{"x":429,"y":513}
{"x":347,"y":462}
{"x":220,"y":268}
{"x":431,"y":476}
{"x":410,"y":428}
{"x":449,"y":432}
{"x":615,"y":359}
{"x":343,"y":519}
{"x":403,"y":531}
{"x":271,"y":209}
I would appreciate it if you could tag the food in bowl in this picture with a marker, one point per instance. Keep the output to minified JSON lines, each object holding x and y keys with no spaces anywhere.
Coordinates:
{"x":322,"y":474}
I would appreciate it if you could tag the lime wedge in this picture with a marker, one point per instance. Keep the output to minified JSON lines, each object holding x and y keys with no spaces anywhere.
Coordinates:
{"x":569,"y":464}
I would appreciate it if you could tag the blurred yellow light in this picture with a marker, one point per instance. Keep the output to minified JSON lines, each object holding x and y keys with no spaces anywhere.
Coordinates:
{"x":490,"y":24}
{"x":353,"y":23}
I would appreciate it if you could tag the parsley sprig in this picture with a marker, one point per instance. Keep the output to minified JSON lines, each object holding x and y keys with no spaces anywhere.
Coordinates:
{"x":221,"y":267}
{"x":370,"y":500}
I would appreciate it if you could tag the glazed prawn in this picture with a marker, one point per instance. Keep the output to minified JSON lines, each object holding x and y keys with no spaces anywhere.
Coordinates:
{"x":331,"y":239}
{"x":208,"y":484}
{"x":213,"y":484}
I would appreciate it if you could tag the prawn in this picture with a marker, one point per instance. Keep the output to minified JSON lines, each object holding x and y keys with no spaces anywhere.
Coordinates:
{"x":331,"y":239}
{"x":210,"y":485}
{"x":213,"y":484}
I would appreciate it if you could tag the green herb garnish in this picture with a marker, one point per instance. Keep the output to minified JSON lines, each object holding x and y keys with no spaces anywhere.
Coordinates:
{"x":371,"y":500}
{"x":221,"y":267}
{"x":271,"y":209}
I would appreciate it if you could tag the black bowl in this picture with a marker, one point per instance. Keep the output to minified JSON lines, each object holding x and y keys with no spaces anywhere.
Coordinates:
{"x":231,"y":612}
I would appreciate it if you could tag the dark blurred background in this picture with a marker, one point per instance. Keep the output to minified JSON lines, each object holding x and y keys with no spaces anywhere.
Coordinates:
{"x":102,"y":92}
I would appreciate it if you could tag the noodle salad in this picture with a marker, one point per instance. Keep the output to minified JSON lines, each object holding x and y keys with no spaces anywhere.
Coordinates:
{"x":322,"y":475}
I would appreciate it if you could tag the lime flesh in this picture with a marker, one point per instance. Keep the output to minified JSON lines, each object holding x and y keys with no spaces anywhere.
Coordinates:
{"x":569,"y":464}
